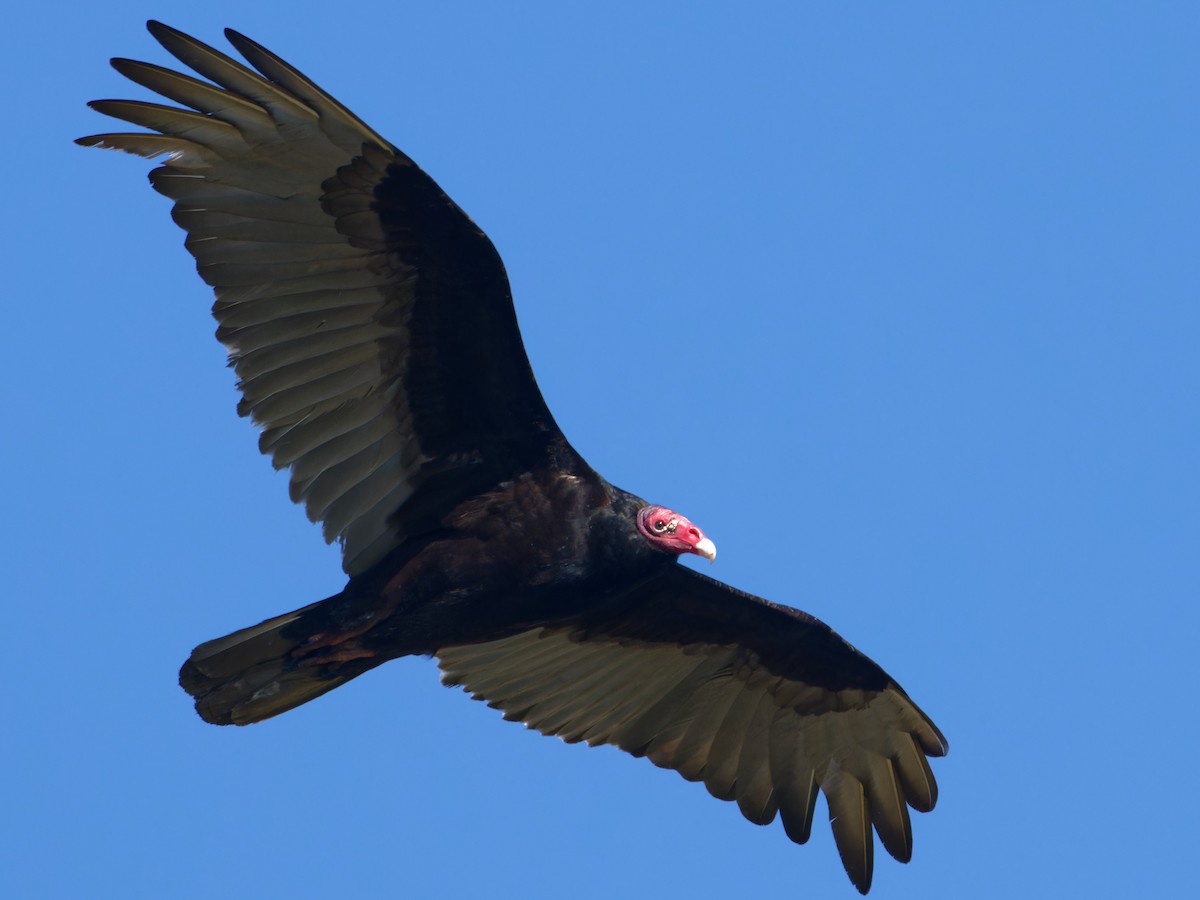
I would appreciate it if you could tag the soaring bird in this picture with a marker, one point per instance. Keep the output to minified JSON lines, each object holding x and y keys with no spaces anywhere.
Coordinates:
{"x":372,"y":330}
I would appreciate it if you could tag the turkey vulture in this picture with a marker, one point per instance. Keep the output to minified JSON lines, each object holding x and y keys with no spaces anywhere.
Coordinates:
{"x":373,"y":334}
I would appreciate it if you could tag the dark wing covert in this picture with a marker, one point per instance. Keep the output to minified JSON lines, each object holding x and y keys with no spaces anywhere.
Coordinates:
{"x":369,"y":320}
{"x":763,"y":703}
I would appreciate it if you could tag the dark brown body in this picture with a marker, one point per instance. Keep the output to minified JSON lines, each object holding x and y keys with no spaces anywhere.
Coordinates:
{"x":545,"y":549}
{"x":372,"y":330}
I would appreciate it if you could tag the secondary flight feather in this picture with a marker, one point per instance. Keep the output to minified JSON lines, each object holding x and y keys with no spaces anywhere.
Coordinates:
{"x":372,"y":330}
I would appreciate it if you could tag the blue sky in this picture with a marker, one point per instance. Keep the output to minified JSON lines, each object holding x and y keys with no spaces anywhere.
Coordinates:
{"x":928,"y":280}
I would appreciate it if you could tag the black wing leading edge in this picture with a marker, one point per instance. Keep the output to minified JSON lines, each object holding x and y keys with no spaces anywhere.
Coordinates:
{"x":368,"y":319}
{"x":372,"y":330}
{"x":763,"y":703}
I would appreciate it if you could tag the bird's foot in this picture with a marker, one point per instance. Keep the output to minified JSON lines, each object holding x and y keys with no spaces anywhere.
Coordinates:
{"x":345,"y":642}
{"x":333,"y":655}
{"x":324,"y":639}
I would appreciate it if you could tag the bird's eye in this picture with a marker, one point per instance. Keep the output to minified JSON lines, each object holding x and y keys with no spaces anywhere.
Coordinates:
{"x":660,"y":526}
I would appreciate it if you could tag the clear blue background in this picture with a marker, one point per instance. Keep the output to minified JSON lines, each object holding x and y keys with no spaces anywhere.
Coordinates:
{"x":898,"y":301}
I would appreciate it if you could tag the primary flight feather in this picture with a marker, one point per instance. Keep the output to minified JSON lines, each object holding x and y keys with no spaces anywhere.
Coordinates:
{"x":373,"y":334}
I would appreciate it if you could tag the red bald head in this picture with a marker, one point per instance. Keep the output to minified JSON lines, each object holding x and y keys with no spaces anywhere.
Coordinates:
{"x":670,"y":532}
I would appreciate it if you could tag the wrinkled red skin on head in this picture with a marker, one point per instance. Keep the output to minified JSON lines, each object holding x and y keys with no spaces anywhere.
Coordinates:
{"x":668,"y":531}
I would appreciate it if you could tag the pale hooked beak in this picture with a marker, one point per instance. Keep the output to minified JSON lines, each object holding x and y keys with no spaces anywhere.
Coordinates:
{"x":706,"y":548}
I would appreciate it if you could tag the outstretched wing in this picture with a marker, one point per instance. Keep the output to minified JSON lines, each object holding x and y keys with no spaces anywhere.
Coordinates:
{"x":367,"y":317}
{"x":763,"y":703}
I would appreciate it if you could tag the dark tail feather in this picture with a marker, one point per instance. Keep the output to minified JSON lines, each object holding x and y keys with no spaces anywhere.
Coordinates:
{"x":252,"y":674}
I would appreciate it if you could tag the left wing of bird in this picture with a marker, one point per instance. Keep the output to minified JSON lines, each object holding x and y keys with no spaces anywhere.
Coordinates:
{"x":763,"y":703}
